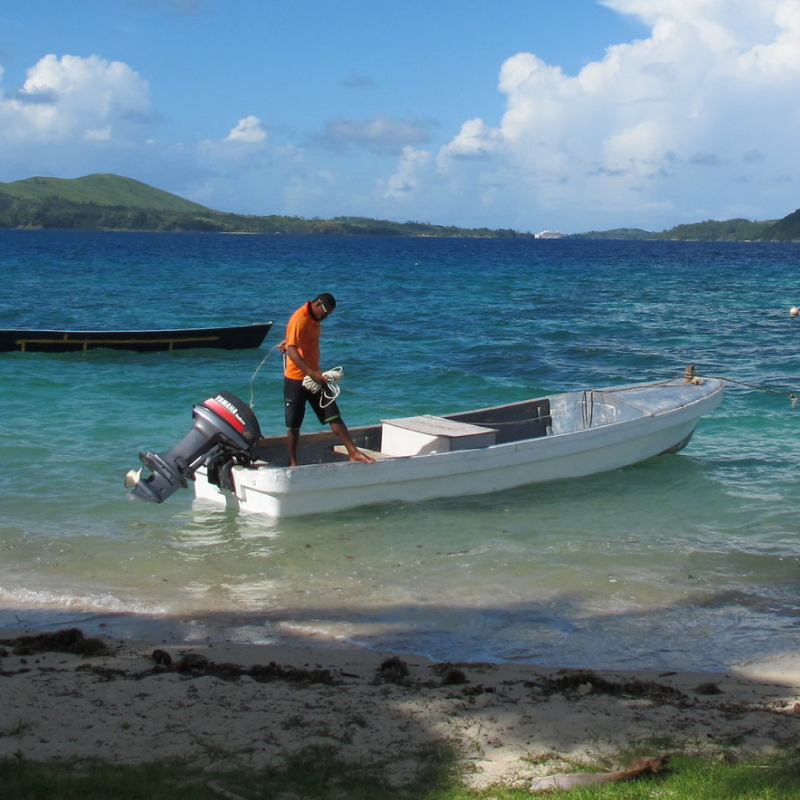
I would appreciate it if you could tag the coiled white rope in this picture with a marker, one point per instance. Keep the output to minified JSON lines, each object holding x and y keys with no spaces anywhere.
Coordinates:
{"x":331,"y":390}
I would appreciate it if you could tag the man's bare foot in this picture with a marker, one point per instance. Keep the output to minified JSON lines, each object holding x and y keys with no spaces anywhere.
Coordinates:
{"x":359,"y":456}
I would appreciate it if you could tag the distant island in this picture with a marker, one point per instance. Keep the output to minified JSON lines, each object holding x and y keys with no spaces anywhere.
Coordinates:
{"x":113,"y":202}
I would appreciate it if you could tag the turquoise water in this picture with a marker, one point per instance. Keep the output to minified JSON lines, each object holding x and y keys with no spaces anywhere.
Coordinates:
{"x":687,"y":561}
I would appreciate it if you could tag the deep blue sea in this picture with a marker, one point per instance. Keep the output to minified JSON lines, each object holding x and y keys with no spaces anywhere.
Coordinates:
{"x":687,"y":561}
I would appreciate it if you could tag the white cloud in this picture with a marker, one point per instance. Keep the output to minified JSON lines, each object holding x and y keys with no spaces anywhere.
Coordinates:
{"x":662,"y":123}
{"x":246,"y":147}
{"x":72,"y":98}
{"x":475,"y":140}
{"x":248,"y":130}
{"x":406,"y":179}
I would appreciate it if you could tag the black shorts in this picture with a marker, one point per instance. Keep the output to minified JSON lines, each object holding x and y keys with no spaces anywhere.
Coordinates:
{"x":295,"y":397}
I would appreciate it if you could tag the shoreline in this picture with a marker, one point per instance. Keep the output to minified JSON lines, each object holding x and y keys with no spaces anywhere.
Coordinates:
{"x":226,"y":703}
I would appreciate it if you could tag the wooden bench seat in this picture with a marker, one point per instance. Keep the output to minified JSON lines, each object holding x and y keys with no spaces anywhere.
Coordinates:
{"x":342,"y":450}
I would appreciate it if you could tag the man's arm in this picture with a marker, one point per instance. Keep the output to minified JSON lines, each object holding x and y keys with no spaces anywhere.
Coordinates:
{"x":301,"y":364}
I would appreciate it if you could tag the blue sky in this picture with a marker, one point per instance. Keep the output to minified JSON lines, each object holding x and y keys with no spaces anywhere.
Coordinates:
{"x":528,"y":114}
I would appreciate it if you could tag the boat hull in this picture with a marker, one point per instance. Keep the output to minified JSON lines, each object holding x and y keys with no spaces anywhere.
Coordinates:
{"x":57,"y":341}
{"x":610,"y":441}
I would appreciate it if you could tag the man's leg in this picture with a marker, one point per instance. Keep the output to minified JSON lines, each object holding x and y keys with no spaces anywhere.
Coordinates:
{"x":295,"y":409}
{"x":330,"y":415}
{"x":291,"y":446}
{"x":340,"y":429}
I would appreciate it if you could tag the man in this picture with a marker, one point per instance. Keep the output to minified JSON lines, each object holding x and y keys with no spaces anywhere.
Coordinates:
{"x":301,"y":348}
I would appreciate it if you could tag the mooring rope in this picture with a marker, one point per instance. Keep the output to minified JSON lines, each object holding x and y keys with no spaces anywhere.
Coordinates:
{"x":691,"y":376}
{"x":791,"y":395}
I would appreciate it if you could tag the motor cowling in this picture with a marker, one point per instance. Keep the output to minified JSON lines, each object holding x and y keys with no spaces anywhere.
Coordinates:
{"x":224,"y":433}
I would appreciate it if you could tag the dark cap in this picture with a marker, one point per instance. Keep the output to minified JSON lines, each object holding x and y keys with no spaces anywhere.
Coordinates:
{"x":327,"y":300}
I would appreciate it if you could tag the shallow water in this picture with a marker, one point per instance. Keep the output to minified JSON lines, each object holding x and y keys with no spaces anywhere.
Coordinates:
{"x":687,"y":561}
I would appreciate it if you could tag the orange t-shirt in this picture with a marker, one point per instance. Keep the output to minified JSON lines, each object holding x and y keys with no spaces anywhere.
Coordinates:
{"x":302,"y":332}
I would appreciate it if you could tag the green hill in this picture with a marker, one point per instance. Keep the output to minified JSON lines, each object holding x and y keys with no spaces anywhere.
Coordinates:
{"x":731,"y":230}
{"x":785,"y":230}
{"x":616,"y":233}
{"x":101,"y":190}
{"x":112,"y":202}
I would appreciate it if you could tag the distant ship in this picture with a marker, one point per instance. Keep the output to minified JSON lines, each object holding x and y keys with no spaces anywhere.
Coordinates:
{"x":545,"y":234}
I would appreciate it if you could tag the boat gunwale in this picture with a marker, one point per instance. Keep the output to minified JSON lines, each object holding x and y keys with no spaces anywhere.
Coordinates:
{"x":280,"y":492}
{"x":64,"y":331}
{"x":59,"y":341}
{"x":583,"y":435}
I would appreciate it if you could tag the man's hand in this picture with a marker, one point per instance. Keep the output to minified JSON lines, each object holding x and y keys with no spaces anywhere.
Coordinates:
{"x":315,"y":374}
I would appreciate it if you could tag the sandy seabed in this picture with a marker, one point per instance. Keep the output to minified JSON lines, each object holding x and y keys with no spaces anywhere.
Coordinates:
{"x":66,"y":695}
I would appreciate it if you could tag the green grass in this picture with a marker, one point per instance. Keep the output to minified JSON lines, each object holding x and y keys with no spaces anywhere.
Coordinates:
{"x":702,"y":778}
{"x":318,"y":774}
{"x":314,"y":773}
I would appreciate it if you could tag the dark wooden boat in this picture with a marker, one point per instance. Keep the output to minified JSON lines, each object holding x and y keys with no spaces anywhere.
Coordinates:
{"x":236,"y":337}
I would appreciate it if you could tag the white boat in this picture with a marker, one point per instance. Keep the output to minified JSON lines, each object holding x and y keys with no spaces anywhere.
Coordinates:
{"x":476,"y":452}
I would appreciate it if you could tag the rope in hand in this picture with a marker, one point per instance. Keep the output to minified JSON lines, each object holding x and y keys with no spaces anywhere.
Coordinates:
{"x":330,"y":391}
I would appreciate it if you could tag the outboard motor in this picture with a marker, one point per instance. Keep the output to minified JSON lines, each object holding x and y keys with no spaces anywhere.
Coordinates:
{"x":224,"y":433}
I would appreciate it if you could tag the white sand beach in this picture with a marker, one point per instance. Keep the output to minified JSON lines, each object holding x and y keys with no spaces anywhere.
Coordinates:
{"x":223,"y":704}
